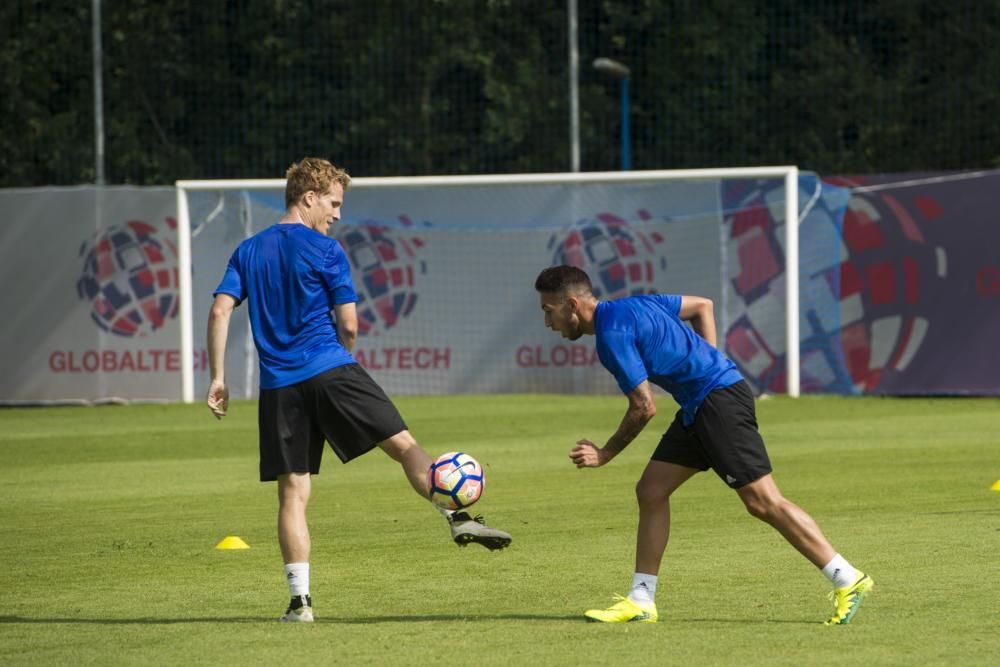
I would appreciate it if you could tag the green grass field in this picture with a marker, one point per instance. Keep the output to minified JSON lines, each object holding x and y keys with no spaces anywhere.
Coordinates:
{"x":110,"y":517}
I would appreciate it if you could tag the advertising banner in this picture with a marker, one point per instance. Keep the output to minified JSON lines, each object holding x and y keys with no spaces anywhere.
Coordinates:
{"x":90,"y":295}
{"x":445,"y":275}
{"x":899,"y":282}
{"x":920,"y":283}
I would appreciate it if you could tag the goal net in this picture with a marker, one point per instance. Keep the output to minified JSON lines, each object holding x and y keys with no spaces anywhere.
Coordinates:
{"x":444,"y":268}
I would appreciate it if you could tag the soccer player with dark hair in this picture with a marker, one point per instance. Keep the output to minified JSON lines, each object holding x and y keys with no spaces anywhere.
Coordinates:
{"x":302,"y":308}
{"x":643,"y":340}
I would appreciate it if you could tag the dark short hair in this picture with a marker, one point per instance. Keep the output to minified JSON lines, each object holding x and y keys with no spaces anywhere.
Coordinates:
{"x":558,"y":279}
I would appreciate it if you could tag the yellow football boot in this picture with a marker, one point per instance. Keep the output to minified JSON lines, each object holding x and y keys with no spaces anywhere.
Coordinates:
{"x":623,"y":611}
{"x":847,"y":600}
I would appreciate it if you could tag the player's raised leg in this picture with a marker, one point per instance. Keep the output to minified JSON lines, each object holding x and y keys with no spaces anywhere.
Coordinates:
{"x":294,"y":490}
{"x":465,"y":528}
{"x":764,"y":500}
{"x":404,"y":449}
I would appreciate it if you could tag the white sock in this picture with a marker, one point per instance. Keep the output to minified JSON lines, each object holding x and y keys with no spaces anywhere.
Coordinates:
{"x":839,"y":572}
{"x":298,"y":578}
{"x":643,"y":588}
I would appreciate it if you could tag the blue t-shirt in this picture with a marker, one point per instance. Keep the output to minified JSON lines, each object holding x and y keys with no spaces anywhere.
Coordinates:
{"x":291,"y":277}
{"x":643,"y":338}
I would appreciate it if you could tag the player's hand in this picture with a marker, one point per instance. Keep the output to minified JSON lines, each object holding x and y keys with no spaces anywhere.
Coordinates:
{"x":587,"y":455}
{"x":218,"y":399}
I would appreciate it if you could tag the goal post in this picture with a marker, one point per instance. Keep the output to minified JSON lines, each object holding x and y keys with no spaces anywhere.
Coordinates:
{"x":453,"y":187}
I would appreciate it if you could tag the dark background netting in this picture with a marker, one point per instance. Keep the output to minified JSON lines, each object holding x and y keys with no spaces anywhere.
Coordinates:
{"x":239,"y":88}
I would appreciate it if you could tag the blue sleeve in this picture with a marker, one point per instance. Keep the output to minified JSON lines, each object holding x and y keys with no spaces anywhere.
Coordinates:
{"x":232,"y":281}
{"x":617,"y":352}
{"x":673,"y":302}
{"x":337,"y":276}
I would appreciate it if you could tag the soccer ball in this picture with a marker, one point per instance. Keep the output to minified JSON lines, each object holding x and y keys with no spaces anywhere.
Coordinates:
{"x":456,"y":480}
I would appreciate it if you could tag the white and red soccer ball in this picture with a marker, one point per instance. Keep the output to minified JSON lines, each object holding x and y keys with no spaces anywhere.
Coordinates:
{"x":456,"y":480}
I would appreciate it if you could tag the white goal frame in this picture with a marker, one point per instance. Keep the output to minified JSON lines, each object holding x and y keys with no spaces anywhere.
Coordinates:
{"x":790,"y":174}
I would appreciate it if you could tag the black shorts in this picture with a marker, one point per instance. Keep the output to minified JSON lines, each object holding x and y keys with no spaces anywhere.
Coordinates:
{"x":724,"y":437}
{"x":343,"y":406}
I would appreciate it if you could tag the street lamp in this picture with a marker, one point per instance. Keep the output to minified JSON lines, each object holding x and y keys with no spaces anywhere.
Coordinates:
{"x":622,"y":73}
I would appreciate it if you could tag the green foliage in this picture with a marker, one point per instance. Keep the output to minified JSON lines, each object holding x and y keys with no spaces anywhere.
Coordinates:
{"x":223,"y":89}
{"x":111,"y":515}
{"x":47,"y":104}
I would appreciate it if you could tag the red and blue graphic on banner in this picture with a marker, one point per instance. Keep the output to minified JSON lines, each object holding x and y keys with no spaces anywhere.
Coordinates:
{"x":385,"y":264}
{"x":621,"y":258}
{"x":130,"y":278}
{"x":911,"y":305}
{"x":922,"y":248}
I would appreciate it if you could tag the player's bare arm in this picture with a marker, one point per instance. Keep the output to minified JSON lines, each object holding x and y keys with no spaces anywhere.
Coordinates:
{"x":346,"y":315}
{"x":700,"y":312}
{"x":218,"y":333}
{"x":641,"y":409}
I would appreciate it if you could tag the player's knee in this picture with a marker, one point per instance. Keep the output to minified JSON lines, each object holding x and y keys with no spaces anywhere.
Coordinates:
{"x":647,"y":493}
{"x":399,"y":445}
{"x":294,"y":488}
{"x":764,"y":508}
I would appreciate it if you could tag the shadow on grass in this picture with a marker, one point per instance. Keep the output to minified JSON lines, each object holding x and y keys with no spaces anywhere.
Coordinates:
{"x":744,"y":621}
{"x":445,"y":618}
{"x":432,"y":618}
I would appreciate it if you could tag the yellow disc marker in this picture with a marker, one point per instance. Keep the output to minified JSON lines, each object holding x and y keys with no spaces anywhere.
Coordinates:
{"x":232,"y":542}
{"x":996,"y":485}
